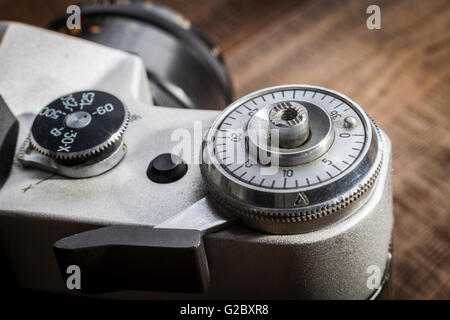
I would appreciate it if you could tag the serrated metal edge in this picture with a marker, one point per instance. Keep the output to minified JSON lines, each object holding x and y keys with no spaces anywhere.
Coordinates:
{"x":283,"y":106}
{"x":299,"y":215}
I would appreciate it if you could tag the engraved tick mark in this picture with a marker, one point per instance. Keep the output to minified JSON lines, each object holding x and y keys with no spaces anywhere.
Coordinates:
{"x":135,"y":117}
{"x":27,"y":188}
{"x":31,"y":186}
{"x":302,"y":199}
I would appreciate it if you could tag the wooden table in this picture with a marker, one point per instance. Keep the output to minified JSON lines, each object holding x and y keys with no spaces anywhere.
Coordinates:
{"x":400,"y":74}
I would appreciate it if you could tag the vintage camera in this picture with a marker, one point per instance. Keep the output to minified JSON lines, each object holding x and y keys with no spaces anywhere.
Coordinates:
{"x":286,"y":194}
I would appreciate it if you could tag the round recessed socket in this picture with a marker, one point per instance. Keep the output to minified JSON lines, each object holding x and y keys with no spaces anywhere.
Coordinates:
{"x":166,"y":168}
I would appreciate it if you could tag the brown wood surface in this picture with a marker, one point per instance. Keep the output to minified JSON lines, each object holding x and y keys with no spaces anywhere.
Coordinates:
{"x":399,"y":74}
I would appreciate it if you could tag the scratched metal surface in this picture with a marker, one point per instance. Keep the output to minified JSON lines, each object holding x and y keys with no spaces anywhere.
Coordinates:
{"x":399,"y":74}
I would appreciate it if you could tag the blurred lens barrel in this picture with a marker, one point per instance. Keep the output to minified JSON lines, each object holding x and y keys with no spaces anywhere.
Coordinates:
{"x":184,"y":68}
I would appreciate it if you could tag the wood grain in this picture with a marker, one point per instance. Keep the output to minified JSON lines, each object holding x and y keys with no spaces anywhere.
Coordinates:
{"x":399,"y":74}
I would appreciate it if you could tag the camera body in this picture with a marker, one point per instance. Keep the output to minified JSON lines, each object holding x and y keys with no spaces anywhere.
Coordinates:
{"x":38,"y":208}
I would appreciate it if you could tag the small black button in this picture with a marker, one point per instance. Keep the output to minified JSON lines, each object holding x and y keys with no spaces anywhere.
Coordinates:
{"x":166,"y":168}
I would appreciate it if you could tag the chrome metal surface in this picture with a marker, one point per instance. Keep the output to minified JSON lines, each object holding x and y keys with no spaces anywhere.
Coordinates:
{"x":313,"y":188}
{"x":78,"y":119}
{"x":350,"y":122}
{"x":202,"y":216}
{"x":265,"y":140}
{"x":291,"y":122}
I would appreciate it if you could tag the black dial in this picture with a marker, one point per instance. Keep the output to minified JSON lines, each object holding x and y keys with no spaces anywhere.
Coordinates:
{"x":80,"y":125}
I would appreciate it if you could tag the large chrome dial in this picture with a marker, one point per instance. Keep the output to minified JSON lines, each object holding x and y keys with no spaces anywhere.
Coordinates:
{"x":292,"y":159}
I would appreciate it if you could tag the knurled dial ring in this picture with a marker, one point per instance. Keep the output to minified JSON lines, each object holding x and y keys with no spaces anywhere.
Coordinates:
{"x":314,"y":181}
